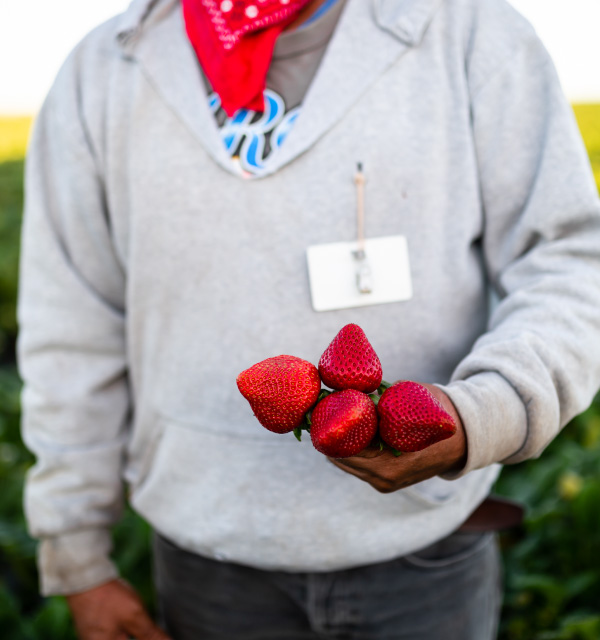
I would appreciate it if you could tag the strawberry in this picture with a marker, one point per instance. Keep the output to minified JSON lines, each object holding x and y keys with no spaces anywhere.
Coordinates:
{"x":280,"y":391}
{"x":343,"y":423}
{"x":411,"y":419}
{"x":350,"y":362}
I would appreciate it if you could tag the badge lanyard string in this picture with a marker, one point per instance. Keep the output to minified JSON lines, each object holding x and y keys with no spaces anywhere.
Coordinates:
{"x":359,"y":181}
{"x":364,"y":281}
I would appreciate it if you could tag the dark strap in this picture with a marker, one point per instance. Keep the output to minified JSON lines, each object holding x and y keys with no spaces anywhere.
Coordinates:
{"x":494,"y":514}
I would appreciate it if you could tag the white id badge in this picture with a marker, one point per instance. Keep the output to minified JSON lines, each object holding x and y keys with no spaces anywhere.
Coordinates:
{"x":333,"y":271}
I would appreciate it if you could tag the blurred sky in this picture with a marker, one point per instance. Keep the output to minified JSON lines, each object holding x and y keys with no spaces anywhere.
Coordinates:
{"x":36,"y":35}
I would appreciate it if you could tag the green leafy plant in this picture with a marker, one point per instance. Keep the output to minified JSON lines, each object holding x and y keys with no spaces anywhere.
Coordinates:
{"x":24,"y":614}
{"x":552,"y":570}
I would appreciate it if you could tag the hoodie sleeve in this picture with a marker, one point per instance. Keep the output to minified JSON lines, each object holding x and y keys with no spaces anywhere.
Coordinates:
{"x":71,"y":350}
{"x":538,"y":365}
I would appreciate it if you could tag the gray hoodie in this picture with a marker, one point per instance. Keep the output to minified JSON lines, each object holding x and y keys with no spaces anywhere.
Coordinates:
{"x":153,"y":273}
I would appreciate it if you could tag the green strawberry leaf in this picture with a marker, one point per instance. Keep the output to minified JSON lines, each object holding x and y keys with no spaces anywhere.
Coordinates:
{"x":379,"y":442}
{"x":383,"y":386}
{"x":375,"y":398}
{"x":323,"y":394}
{"x":306,"y":422}
{"x":298,"y":434}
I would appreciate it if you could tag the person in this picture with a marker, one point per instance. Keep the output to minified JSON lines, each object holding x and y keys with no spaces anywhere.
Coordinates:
{"x":164,"y":240}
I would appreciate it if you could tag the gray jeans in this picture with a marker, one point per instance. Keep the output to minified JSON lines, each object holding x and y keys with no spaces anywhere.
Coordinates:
{"x":451,"y":590}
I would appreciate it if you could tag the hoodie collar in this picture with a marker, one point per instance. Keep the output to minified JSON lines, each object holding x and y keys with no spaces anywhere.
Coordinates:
{"x":405,"y":19}
{"x":370,"y":37}
{"x":136,"y":17}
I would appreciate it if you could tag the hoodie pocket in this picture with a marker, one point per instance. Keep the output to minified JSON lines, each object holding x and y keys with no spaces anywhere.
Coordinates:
{"x":180,"y":450}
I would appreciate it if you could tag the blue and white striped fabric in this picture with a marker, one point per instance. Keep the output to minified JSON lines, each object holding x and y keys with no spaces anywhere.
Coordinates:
{"x":322,"y":10}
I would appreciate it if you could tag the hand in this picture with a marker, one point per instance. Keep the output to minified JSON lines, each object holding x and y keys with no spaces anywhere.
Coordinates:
{"x":386,"y":472}
{"x":112,"y":611}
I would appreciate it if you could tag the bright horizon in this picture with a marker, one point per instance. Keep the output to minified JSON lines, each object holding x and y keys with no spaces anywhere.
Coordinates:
{"x":33,"y":50}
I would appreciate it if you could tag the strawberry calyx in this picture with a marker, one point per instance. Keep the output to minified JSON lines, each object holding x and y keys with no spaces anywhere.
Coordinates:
{"x":376,"y":395}
{"x":382,"y":445}
{"x":383,"y":386}
{"x":307,"y":421}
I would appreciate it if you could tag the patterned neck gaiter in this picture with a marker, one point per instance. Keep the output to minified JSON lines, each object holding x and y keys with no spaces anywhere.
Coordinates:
{"x":234,"y":41}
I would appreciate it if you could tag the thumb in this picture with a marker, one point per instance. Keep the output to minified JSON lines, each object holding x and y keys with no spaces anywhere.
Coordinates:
{"x":143,"y":628}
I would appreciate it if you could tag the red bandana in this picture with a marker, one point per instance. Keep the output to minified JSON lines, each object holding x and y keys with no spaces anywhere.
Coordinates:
{"x":234,"y":41}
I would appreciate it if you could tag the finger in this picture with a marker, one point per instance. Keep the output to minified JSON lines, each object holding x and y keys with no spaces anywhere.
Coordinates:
{"x":141,"y":627}
{"x":372,"y":451}
{"x":383,"y":485}
{"x":345,"y":464}
{"x":372,"y":464}
{"x":359,"y":473}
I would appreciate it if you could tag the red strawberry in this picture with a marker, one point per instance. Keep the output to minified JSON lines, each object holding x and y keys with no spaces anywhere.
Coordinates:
{"x":350,"y":362}
{"x":411,"y":419}
{"x":280,"y":391}
{"x":343,"y":423}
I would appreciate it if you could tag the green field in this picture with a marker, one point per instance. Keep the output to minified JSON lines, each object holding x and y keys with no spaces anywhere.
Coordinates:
{"x":552,"y":565}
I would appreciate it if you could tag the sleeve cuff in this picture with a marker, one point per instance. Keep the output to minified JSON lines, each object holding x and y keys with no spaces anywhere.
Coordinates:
{"x":493,"y":416}
{"x":75,"y":562}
